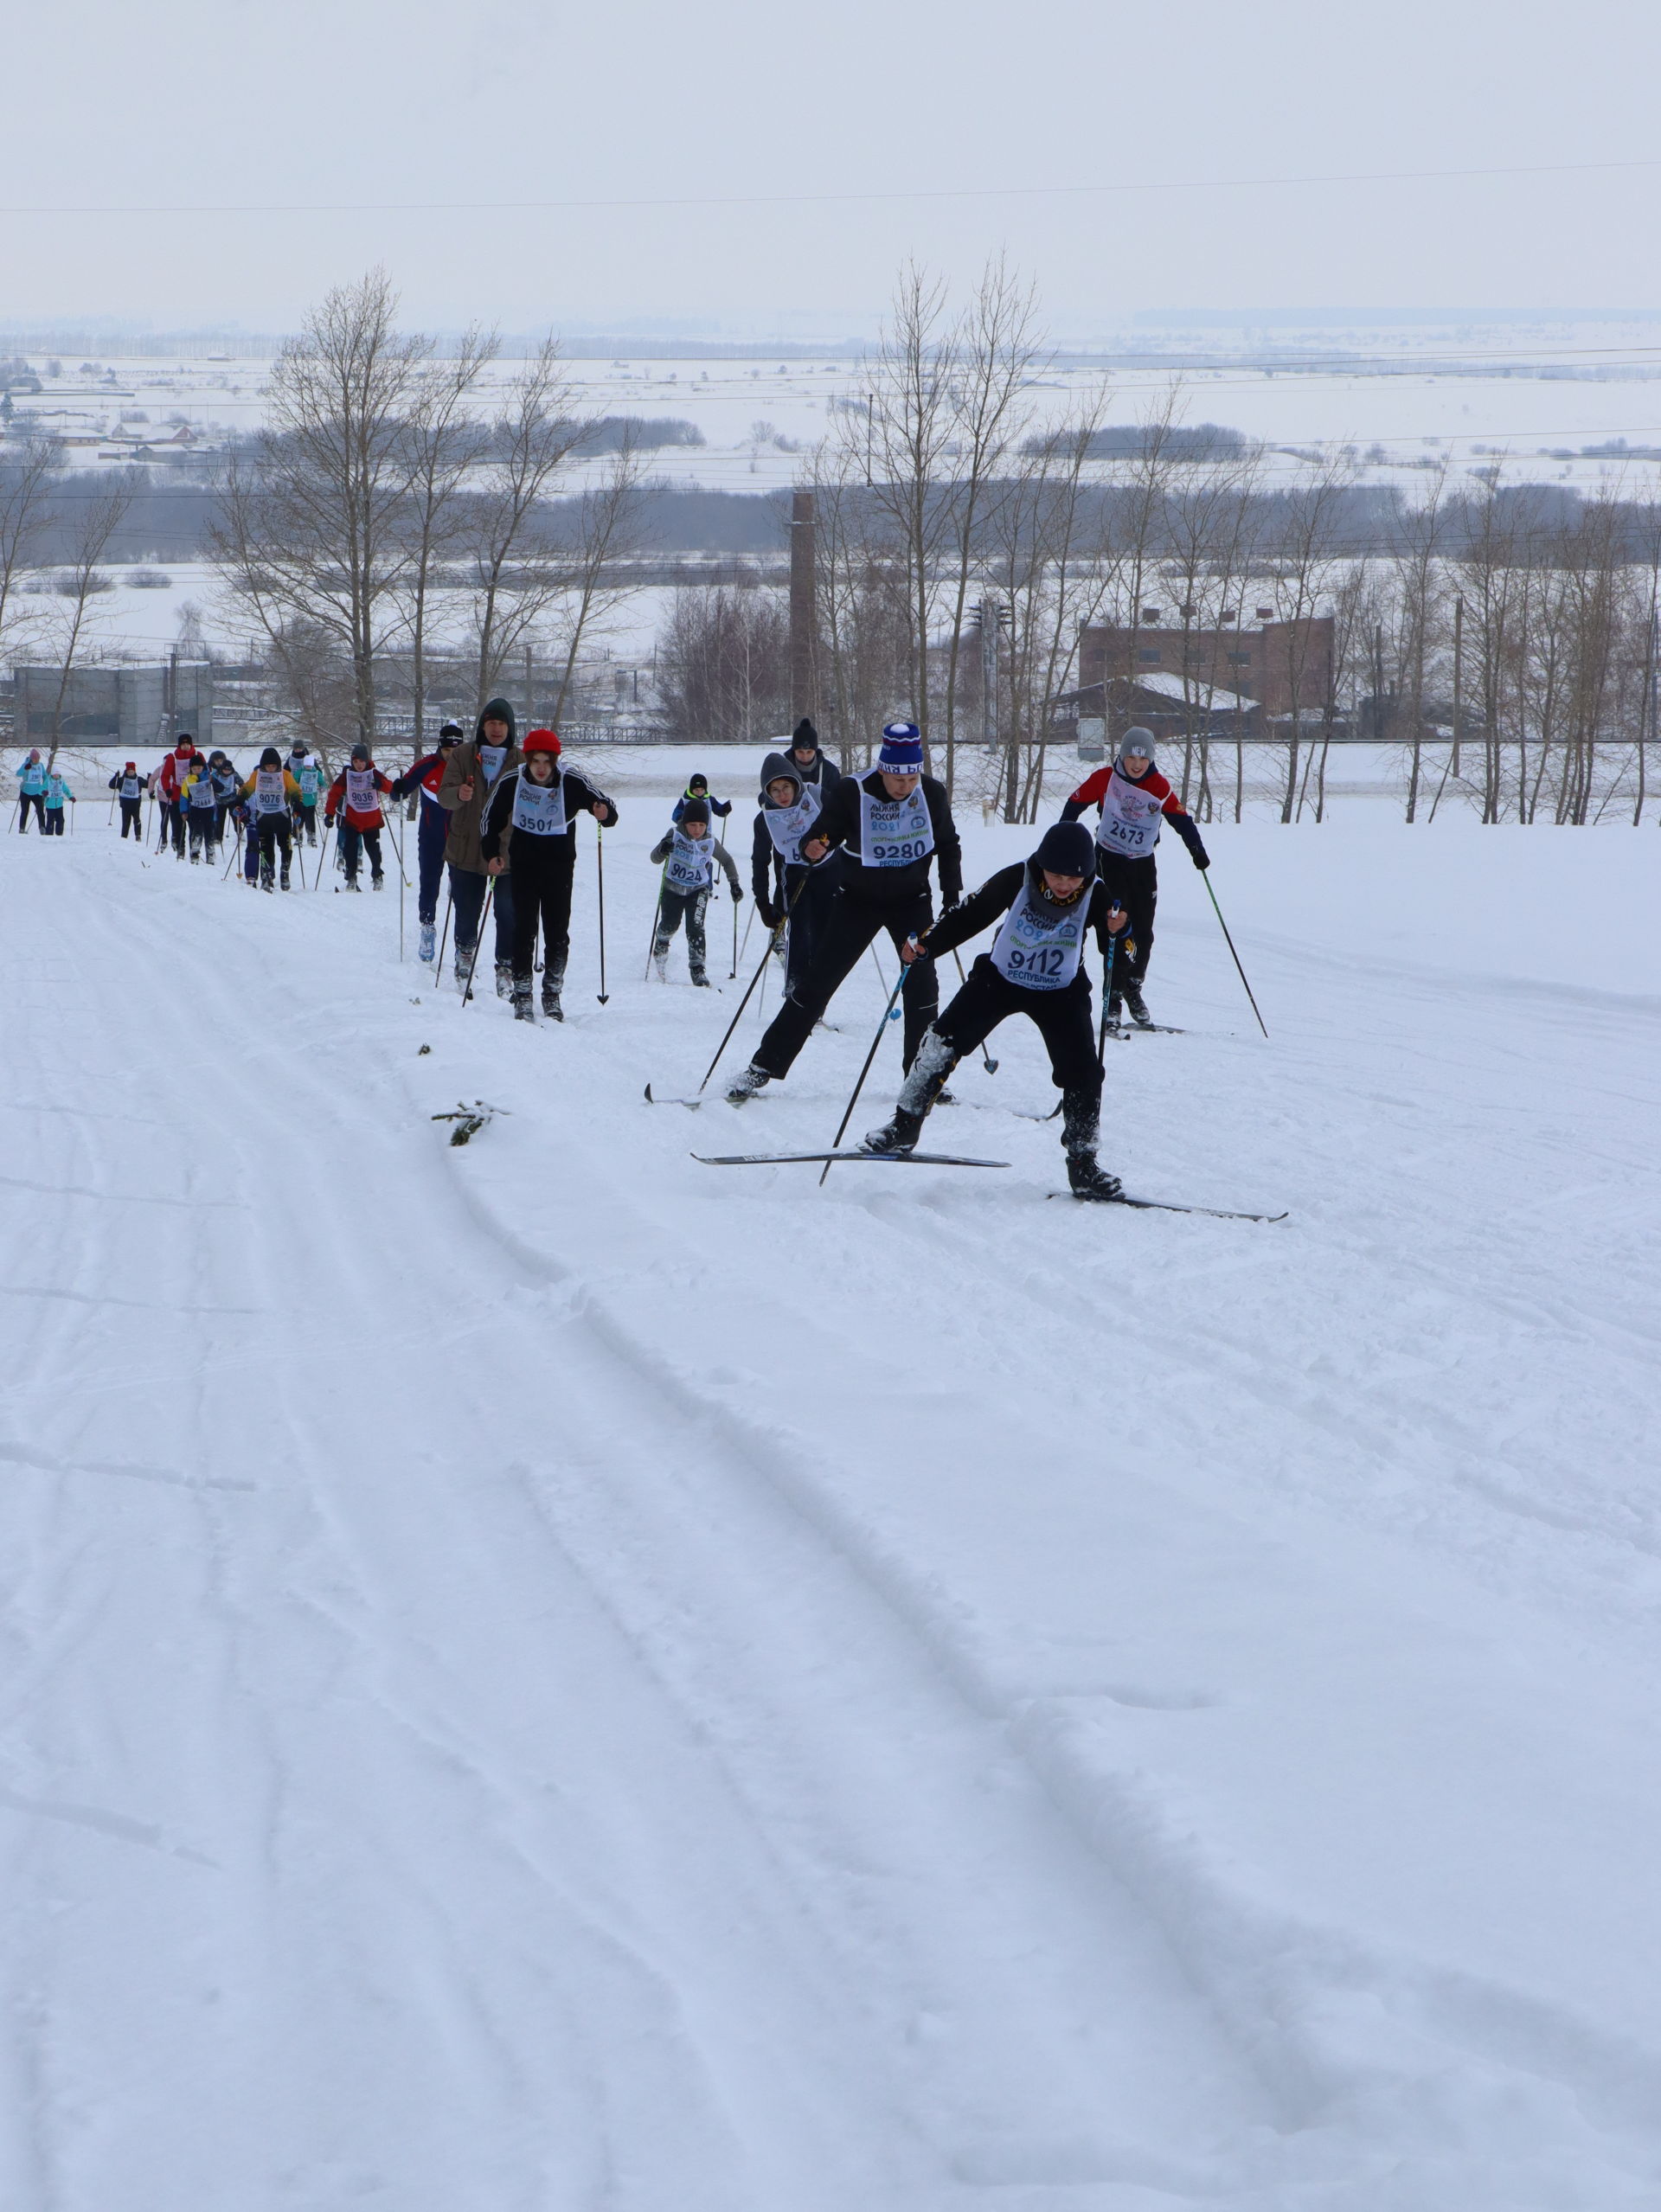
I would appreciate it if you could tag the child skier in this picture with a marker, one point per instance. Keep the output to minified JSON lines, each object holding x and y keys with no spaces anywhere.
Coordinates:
{"x":891,"y":825}
{"x":697,"y":786}
{"x":529,"y":837}
{"x":355,"y":798}
{"x":688,"y":853}
{"x":225,"y":781}
{"x":199,"y":800}
{"x":130,"y":787}
{"x":783,"y":882}
{"x":426,"y":775}
{"x":56,"y":793}
{"x":270,"y":792}
{"x":1134,"y":800}
{"x":169,"y":781}
{"x":307,"y":772}
{"x":1048,"y":905}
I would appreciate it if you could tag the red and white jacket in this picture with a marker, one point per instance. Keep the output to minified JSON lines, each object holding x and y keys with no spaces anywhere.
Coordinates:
{"x":176,"y":766}
{"x":364,"y":783}
{"x":1132,"y":812}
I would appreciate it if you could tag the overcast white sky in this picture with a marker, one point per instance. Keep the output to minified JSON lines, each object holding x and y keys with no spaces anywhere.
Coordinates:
{"x":211,"y":104}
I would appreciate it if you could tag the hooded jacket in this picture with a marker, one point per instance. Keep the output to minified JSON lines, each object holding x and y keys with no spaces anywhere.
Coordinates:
{"x":769,"y":871}
{"x":462,"y":848}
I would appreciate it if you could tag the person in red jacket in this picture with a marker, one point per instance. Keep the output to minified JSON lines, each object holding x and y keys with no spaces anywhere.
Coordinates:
{"x":1135,"y":802}
{"x":353,"y":805}
{"x":176,"y":766}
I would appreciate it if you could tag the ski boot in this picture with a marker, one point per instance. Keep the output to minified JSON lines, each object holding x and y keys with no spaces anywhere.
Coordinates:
{"x":378,"y":883}
{"x":268,"y":880}
{"x":552,"y":980}
{"x":660,"y":963}
{"x":195,"y":857}
{"x":285,"y":884}
{"x":1080,"y":1128}
{"x":352,"y":883}
{"x":1115,"y":1013}
{"x":466,"y":960}
{"x":523,"y":1010}
{"x":700,"y":979}
{"x":1138,"y":1005}
{"x":896,"y":1138}
{"x":429,"y":941}
{"x":747,"y":1085}
{"x":504,"y":979}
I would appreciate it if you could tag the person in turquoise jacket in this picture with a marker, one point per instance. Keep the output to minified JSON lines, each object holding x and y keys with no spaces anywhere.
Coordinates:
{"x":57,"y":791}
{"x":31,"y":790}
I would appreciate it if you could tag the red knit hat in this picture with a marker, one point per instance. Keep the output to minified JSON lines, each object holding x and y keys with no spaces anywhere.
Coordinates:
{"x":540,"y":741}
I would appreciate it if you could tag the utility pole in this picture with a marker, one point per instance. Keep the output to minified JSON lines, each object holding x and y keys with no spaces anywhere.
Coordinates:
{"x":1458,"y":666}
{"x":804,"y":593}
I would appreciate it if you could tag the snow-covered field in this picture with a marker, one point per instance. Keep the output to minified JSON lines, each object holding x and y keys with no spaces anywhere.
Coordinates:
{"x":545,"y":1675}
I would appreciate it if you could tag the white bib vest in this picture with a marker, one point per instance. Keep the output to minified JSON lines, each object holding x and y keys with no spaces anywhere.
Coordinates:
{"x":1130,"y":818}
{"x":202,"y":793}
{"x":492,"y":757}
{"x":361,"y":794}
{"x":1040,"y":947}
{"x":34,"y":777}
{"x":129,"y":786}
{"x":691,"y":863}
{"x":269,"y":797}
{"x":788,"y":825}
{"x":894,"y":832}
{"x":539,"y":808}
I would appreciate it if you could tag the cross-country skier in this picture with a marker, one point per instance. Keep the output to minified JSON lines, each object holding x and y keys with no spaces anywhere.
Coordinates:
{"x":688,"y":855}
{"x":31,"y":791}
{"x":130,"y":787}
{"x":170,"y":782}
{"x":470,"y":776}
{"x":307,"y":772}
{"x":56,"y":793}
{"x":530,"y":836}
{"x":426,"y":775}
{"x":270,"y":792}
{"x":1046,"y":906}
{"x":890,"y":825}
{"x":807,"y":756}
{"x":782,"y":882}
{"x":354,"y":807}
{"x":226,"y":781}
{"x":1134,"y":799}
{"x":199,"y":802}
{"x":697,"y":786}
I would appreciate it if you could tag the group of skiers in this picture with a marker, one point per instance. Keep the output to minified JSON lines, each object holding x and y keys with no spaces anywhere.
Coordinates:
{"x":837,"y":860}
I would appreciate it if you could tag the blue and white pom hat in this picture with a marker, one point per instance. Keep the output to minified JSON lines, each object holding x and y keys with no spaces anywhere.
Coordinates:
{"x":902,"y":749}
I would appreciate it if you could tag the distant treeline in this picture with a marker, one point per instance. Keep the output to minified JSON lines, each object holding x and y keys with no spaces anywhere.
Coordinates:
{"x":169,"y":518}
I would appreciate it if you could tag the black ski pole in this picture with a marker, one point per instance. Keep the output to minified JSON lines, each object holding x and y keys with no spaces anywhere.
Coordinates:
{"x":237,"y":848}
{"x":1229,"y":941}
{"x":991,"y":1065}
{"x":1106,"y":999}
{"x":772,"y":942}
{"x":854,"y":1101}
{"x":329,"y":830}
{"x":657,"y":916}
{"x":732,"y":972}
{"x":444,"y":938}
{"x":600,"y":887}
{"x":472,"y":965}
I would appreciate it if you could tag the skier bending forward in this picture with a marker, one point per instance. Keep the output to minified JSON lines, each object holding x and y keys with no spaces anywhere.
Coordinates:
{"x":1035,"y":966}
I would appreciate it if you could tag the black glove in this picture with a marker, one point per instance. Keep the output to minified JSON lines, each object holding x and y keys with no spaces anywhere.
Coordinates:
{"x":771,"y":915}
{"x":738,"y":895}
{"x":1198,"y":855}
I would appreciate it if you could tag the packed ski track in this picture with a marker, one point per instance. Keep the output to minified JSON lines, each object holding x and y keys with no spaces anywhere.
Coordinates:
{"x":542,"y":1674}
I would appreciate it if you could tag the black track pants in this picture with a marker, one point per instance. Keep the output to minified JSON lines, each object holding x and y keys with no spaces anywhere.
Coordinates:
{"x":850,"y":924}
{"x":1135,"y":884}
{"x":542,"y":869}
{"x":1062,"y":1019}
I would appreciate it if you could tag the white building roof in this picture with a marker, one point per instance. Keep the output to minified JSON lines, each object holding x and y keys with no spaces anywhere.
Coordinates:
{"x":1211,"y":697}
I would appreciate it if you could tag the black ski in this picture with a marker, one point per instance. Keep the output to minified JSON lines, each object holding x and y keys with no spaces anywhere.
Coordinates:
{"x":881,"y":1159}
{"x":1168,"y":1205}
{"x":695,"y":1102}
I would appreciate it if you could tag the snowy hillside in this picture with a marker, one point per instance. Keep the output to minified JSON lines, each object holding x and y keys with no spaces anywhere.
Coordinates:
{"x":544,"y":1676}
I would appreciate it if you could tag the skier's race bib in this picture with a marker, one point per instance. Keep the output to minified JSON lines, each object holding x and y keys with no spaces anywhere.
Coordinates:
{"x":269,"y":797}
{"x":361,"y":794}
{"x":540,"y":808}
{"x":130,"y":787}
{"x":310,"y":780}
{"x":894,"y":832}
{"x":788,"y":825}
{"x":202,"y":793}
{"x":33,"y":780}
{"x":691,"y":863}
{"x":1130,"y":818}
{"x":54,"y":792}
{"x":1038,"y":947}
{"x":492,"y":757}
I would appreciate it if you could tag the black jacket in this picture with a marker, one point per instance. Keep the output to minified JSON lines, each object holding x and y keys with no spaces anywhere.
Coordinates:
{"x":838,"y":824}
{"x":992,"y":902}
{"x":496,"y":834}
